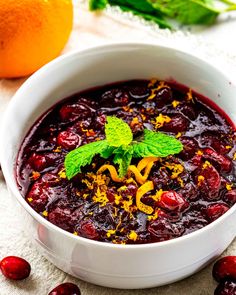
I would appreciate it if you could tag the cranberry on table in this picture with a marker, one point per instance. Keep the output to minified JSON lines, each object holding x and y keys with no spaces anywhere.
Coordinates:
{"x":227,"y":287}
{"x":66,"y":289}
{"x":225,"y":268}
{"x":15,"y":268}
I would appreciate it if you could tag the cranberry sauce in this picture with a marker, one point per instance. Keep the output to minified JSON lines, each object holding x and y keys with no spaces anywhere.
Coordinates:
{"x":188,"y":190}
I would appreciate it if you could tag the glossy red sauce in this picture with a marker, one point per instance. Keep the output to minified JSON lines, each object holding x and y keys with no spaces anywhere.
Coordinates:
{"x":200,"y":194}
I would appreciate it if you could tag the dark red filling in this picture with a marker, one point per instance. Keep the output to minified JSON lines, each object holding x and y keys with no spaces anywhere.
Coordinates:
{"x":200,"y":194}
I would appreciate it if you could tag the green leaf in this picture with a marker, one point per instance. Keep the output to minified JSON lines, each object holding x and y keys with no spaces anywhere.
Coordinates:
{"x":187,"y":11}
{"x":123,"y":157}
{"x":157,"y":144}
{"x":83,"y":156}
{"x":97,"y":4}
{"x":143,"y":9}
{"x":117,"y":132}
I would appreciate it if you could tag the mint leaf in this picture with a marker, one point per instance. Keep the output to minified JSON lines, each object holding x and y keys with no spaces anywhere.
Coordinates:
{"x":83,"y":156}
{"x":117,"y":132}
{"x":143,"y":9}
{"x":157,"y":144}
{"x":187,"y":11}
{"x":123,"y":157}
{"x":107,"y":152}
{"x":97,"y":4}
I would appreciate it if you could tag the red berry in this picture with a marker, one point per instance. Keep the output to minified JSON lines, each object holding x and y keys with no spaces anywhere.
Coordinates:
{"x":71,"y":112}
{"x":15,"y":268}
{"x":215,"y":211}
{"x":230,"y":197}
{"x":210,"y":183}
{"x":162,"y":229}
{"x":38,"y":196}
{"x":66,"y":289}
{"x":225,"y":268}
{"x":222,"y":162}
{"x":177,"y":124}
{"x":226,"y":288}
{"x":172,"y":201}
{"x":68,"y":140}
{"x":190,"y":147}
{"x":38,"y":162}
{"x":86,"y":229}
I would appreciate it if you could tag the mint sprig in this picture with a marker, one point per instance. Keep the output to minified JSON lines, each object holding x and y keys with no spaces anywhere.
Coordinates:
{"x":187,"y":12}
{"x":118,"y":133}
{"x":156,"y":144}
{"x":119,"y":143}
{"x":84,"y":155}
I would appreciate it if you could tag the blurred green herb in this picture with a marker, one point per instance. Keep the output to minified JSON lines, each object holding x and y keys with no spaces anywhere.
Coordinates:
{"x":159,"y":11}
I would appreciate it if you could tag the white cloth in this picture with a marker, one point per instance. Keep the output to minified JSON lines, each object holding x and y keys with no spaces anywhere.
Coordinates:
{"x":90,"y":30}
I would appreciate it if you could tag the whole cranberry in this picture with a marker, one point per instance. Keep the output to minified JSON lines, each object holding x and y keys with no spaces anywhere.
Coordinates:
{"x":62,"y":217}
{"x":87,"y":229}
{"x":72,"y":112}
{"x":177,"y":124}
{"x":190,"y":148}
{"x":227,"y":287}
{"x":230,"y":197}
{"x":162,"y":229}
{"x":66,"y":289}
{"x":172,"y":201}
{"x":222,"y":162}
{"x":15,"y":268}
{"x":161,"y":179}
{"x":38,"y":196}
{"x":215,"y":211}
{"x":214,"y":141}
{"x":209,"y":181}
{"x":163,"y":95}
{"x":68,"y":140}
{"x":37,"y":161}
{"x":225,"y":268}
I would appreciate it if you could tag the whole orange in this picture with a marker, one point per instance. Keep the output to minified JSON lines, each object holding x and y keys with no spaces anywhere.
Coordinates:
{"x":32,"y":32}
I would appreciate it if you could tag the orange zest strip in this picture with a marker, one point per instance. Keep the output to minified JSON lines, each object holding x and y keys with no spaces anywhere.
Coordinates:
{"x":138,"y":176}
{"x":113,"y":172}
{"x":146,"y":187}
{"x":144,"y":162}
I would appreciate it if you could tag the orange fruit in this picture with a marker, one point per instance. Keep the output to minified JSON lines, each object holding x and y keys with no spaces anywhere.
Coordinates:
{"x":32,"y":32}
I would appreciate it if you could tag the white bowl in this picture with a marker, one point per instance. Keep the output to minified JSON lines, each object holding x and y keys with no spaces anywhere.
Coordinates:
{"x":118,"y":266}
